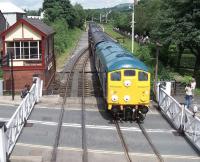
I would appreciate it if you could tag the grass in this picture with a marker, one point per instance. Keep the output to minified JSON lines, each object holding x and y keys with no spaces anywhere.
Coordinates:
{"x":197,"y":91}
{"x":73,"y":37}
{"x":127,"y":44}
{"x":1,"y":73}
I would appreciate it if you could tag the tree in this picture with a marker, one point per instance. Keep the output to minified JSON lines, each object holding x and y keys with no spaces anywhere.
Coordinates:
{"x":63,"y":9}
{"x":80,"y":15}
{"x":145,"y":14}
{"x":186,"y":29}
{"x":52,"y":10}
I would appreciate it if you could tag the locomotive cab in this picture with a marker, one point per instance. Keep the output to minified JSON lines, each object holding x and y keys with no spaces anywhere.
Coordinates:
{"x":128,"y":89}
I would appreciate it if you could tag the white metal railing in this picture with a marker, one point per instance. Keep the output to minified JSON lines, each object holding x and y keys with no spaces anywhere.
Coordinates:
{"x":182,"y":118}
{"x":192,"y":127}
{"x":10,"y":131}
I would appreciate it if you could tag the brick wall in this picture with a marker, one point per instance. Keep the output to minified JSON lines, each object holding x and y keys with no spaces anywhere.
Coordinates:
{"x":20,"y":78}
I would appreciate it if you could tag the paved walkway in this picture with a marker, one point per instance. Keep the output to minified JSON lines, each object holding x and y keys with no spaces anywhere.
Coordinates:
{"x":45,"y":101}
{"x":195,"y":101}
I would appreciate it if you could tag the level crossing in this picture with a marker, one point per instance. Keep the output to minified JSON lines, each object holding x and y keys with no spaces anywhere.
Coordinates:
{"x":165,"y":124}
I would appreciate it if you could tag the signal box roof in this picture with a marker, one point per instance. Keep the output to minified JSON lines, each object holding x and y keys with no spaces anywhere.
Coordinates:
{"x":35,"y":24}
{"x":114,"y":57}
{"x":40,"y":26}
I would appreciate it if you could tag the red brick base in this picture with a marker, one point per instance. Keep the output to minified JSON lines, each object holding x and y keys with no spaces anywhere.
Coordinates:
{"x":26,"y":77}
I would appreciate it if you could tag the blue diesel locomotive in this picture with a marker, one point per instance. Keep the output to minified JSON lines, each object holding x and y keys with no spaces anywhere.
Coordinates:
{"x":124,"y":79}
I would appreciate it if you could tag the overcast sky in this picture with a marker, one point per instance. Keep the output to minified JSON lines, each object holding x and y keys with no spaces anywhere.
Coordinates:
{"x":35,"y":4}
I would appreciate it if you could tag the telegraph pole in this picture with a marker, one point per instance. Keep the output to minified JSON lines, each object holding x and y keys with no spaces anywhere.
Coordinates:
{"x":158,"y":46}
{"x":133,"y":24}
{"x":100,"y":17}
{"x":12,"y":77}
{"x":133,"y":19}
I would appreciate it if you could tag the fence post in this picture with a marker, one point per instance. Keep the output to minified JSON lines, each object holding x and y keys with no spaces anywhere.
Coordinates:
{"x":168,"y":88}
{"x":3,"y":157}
{"x":37,"y":82}
{"x":182,"y":122}
{"x":158,"y":92}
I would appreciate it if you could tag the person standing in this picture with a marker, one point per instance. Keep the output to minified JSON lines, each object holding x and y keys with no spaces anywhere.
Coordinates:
{"x":188,"y":95}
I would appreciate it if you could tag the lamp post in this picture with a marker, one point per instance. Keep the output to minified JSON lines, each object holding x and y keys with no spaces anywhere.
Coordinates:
{"x":133,"y":24}
{"x":100,"y":18}
{"x":133,"y":19}
{"x":158,"y":46}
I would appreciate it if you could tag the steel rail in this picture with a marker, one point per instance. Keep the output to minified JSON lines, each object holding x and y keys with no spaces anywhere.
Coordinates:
{"x":156,"y":152}
{"x":126,"y":151}
{"x":84,"y":138}
{"x":56,"y":143}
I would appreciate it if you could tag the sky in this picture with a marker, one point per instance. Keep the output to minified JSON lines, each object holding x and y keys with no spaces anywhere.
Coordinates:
{"x":36,"y":4}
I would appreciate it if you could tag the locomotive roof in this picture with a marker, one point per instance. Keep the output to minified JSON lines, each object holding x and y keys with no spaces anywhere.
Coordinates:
{"x":114,"y":57}
{"x":100,"y":36}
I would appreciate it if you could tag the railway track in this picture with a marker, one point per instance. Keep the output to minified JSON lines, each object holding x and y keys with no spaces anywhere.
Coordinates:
{"x":84,"y":141}
{"x":78,"y":63}
{"x":156,"y":152}
{"x":125,"y":147}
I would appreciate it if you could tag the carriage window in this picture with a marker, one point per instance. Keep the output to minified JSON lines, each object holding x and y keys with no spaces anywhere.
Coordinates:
{"x":143,"y":76}
{"x":116,"y":76}
{"x":129,"y":72}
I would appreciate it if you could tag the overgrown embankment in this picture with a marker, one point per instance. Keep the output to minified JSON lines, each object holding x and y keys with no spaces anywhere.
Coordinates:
{"x":65,"y":41}
{"x":1,"y":74}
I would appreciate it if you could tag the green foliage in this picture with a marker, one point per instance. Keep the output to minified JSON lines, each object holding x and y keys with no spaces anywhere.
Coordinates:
{"x":145,"y":13}
{"x":143,"y":53}
{"x":61,"y":29}
{"x":62,"y":9}
{"x":64,"y":37}
{"x":178,"y":23}
{"x":65,"y":19}
{"x":185,"y":79}
{"x":1,"y":73}
{"x":80,"y":15}
{"x":197,"y":91}
{"x":122,"y":21}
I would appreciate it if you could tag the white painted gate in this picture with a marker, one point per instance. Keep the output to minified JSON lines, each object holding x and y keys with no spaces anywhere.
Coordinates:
{"x":11,"y":130}
{"x":182,"y":118}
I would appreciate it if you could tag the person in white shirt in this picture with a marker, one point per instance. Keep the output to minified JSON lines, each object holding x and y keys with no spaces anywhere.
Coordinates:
{"x":188,"y":95}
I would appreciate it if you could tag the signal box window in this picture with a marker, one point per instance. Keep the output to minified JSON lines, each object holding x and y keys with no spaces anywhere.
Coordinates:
{"x":25,"y":50}
{"x":116,"y":76}
{"x":129,"y":72}
{"x":142,"y":76}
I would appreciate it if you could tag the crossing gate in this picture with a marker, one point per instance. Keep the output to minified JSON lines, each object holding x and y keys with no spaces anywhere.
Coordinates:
{"x":182,"y":118}
{"x":10,"y":131}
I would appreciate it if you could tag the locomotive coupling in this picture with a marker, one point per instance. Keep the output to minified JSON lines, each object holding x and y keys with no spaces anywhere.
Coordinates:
{"x":144,"y":110}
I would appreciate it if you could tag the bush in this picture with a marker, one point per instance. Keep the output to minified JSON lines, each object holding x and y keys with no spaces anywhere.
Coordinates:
{"x":1,"y":74}
{"x":61,"y":29}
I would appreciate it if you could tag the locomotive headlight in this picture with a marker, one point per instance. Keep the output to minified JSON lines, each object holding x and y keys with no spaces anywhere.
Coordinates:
{"x":146,"y":92}
{"x":127,"y":83}
{"x":126,"y":98}
{"x":114,"y":98}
